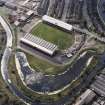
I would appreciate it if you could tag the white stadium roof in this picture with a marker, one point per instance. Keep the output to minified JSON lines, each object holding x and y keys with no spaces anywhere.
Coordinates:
{"x":57,"y":22}
{"x":40,"y":44}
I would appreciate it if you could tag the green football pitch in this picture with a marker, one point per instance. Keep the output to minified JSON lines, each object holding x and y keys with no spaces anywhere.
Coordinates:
{"x":54,"y":35}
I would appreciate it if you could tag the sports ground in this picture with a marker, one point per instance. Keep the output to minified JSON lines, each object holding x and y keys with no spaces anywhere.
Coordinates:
{"x":52,"y":34}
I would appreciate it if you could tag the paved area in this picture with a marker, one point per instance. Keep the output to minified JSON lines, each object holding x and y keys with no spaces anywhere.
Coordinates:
{"x":47,"y":84}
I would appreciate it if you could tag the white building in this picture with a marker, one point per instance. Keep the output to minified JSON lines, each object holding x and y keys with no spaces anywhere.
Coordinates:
{"x":86,"y":97}
{"x":29,"y":13}
{"x":40,"y":44}
{"x":57,"y":23}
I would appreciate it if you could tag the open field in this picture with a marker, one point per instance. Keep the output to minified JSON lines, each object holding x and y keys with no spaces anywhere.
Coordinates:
{"x":53,"y":35}
{"x":44,"y":66}
{"x":4,"y":11}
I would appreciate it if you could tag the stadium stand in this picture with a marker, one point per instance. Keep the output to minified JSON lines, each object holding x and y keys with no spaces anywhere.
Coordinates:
{"x":39,"y":44}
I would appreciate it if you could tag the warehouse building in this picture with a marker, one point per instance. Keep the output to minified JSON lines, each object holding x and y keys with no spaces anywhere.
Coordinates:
{"x":39,"y":44}
{"x":86,"y":97}
{"x":58,"y":23}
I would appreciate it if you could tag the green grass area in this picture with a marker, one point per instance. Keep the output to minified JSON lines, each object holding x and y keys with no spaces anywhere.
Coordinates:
{"x":3,"y":11}
{"x":44,"y":66}
{"x":100,"y":47}
{"x":93,"y":63}
{"x":53,"y":35}
{"x":47,"y":67}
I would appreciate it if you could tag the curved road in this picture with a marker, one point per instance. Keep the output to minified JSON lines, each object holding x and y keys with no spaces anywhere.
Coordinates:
{"x":50,"y":85}
{"x":4,"y":63}
{"x":5,"y":74}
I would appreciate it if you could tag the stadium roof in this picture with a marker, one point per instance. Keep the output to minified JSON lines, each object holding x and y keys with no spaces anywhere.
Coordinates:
{"x":40,"y":44}
{"x":57,"y":22}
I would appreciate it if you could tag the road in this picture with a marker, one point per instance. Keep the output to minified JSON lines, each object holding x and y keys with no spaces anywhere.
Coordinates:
{"x":5,"y":60}
{"x":8,"y":32}
{"x":94,"y":35}
{"x":5,"y":74}
{"x":52,"y":84}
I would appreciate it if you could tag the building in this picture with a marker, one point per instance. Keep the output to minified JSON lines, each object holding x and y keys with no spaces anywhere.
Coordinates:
{"x":11,"y":5}
{"x":16,"y":23}
{"x":2,"y":3}
{"x":29,"y":13}
{"x":43,"y":7}
{"x":86,"y":97}
{"x":39,"y":44}
{"x":58,"y":23}
{"x":23,"y":18}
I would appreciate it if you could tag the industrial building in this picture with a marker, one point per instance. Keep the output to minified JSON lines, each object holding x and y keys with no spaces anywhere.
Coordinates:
{"x":58,"y":23}
{"x":99,"y":84}
{"x":86,"y":97}
{"x":39,"y":44}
